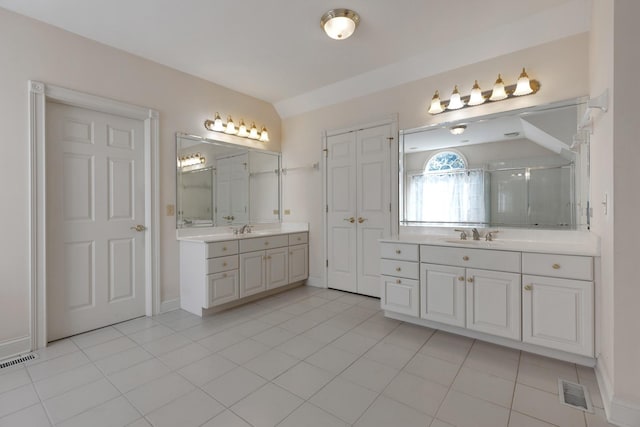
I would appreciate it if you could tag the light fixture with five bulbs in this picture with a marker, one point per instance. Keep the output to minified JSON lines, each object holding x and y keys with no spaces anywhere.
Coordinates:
{"x":499,"y":92}
{"x":241,"y":130}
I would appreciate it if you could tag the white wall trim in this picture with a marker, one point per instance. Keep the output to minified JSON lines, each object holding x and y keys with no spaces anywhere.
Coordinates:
{"x":14,"y":347}
{"x":619,"y":412}
{"x":170,"y":305}
{"x":39,"y":93}
{"x":316,"y":282}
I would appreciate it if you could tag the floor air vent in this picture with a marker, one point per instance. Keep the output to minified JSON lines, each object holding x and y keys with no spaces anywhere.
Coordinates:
{"x":574,"y":395}
{"x":17,"y":360}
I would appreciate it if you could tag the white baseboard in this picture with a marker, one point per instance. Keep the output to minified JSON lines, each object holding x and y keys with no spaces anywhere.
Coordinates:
{"x":15,"y":347}
{"x":316,"y":282}
{"x":619,"y":412}
{"x":169,"y":305}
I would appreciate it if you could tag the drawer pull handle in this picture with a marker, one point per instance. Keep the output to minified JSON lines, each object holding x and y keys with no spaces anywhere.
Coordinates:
{"x":291,"y":253}
{"x":556,"y":266}
{"x":224,"y":248}
{"x":398,"y":281}
{"x":224,"y":264}
{"x":224,"y":275}
{"x":398,"y":269}
{"x":266,"y":243}
{"x":465,"y":258}
{"x":470,"y":280}
{"x":528,"y":287}
{"x":398,"y":251}
{"x":299,"y":238}
{"x":461,"y":278}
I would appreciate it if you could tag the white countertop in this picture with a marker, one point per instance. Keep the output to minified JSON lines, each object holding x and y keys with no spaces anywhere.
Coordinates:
{"x":559,"y":242}
{"x":218,"y":234}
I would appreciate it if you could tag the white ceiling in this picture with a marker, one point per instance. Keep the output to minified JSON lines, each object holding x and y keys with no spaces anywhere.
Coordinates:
{"x":276,"y":51}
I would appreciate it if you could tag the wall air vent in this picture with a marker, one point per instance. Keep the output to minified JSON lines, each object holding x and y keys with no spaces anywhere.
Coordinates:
{"x":17,"y":360}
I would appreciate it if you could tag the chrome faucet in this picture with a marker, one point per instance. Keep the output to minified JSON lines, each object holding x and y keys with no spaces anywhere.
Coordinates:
{"x":463,"y":233}
{"x":476,"y":235}
{"x":245,"y":229}
{"x":490,"y":235}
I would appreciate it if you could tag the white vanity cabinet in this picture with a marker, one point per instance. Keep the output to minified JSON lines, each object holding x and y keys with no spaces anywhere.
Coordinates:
{"x":216,"y":273}
{"x":557,"y":302}
{"x":399,"y":290}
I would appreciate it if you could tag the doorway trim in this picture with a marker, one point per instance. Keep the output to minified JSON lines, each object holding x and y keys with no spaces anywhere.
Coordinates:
{"x":39,"y":94}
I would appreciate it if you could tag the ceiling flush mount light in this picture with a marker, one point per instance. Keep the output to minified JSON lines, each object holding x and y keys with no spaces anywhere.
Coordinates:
{"x":499,"y":92}
{"x":458,"y":130}
{"x":339,"y":24}
{"x":241,"y":130}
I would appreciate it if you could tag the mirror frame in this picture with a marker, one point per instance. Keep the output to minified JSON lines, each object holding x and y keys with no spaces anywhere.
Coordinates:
{"x":580,"y":102}
{"x":202,"y":139}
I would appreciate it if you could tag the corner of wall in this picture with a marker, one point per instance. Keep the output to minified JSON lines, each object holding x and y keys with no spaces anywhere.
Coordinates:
{"x":618,"y":411}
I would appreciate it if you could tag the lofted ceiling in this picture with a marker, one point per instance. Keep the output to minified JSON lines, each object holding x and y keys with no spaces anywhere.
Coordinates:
{"x":276,"y":51}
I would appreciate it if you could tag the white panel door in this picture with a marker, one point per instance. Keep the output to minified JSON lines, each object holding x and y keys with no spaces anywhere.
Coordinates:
{"x":298,"y":263}
{"x":95,"y":199}
{"x":558,"y":313}
{"x":373,"y":204}
{"x":277,"y":267}
{"x":442,"y":294}
{"x":252,"y":273}
{"x":341,"y":216}
{"x":493,"y":302}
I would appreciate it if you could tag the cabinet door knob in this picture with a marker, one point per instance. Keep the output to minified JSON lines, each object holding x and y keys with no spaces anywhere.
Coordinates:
{"x":299,"y":238}
{"x":470,"y":280}
{"x":398,"y":251}
{"x":224,"y":248}
{"x":266,"y":243}
{"x":398,"y":269}
{"x":465,"y":258}
{"x":556,"y":266}
{"x":291,"y":253}
{"x":224,"y":275}
{"x":398,"y":281}
{"x":528,"y":287}
{"x":224,"y":264}
{"x":461,"y":278}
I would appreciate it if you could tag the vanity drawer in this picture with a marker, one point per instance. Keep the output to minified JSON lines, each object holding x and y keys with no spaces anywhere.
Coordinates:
{"x":553,"y":265}
{"x":476,"y":258}
{"x":400,"y":251}
{"x":298,"y":238}
{"x":392,"y":267}
{"x":217,"y":249}
{"x":260,"y":243}
{"x":225,"y":263}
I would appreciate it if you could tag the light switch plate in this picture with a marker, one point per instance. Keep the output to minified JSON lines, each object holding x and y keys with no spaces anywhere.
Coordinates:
{"x":171,"y":210}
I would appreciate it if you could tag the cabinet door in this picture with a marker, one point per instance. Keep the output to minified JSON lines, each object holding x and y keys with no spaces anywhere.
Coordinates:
{"x":442,"y":296}
{"x":493,"y":302}
{"x":298,"y":263}
{"x":252,"y":273}
{"x":558,"y":313}
{"x":277,"y":267}
{"x":222,"y":288}
{"x":399,"y":295}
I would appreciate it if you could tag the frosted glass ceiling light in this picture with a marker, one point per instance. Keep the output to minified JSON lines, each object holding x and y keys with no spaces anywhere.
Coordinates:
{"x":242,"y":129}
{"x":498,"y":92}
{"x":523,"y":87}
{"x":217,"y":124}
{"x":231,"y":127}
{"x":264,"y":135}
{"x":476,"y":97}
{"x":455,"y":103}
{"x":253,"y":133}
{"x":458,"y":130}
{"x":436,"y":105}
{"x":339,"y":24}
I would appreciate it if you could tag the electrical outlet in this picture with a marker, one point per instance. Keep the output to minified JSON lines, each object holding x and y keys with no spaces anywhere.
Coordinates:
{"x":287,"y":211}
{"x":171,"y":210}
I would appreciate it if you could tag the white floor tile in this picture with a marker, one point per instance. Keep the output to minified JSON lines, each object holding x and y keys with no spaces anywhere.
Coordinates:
{"x":331,"y":359}
{"x":251,"y":328}
{"x":520,"y":420}
{"x":17,"y":399}
{"x":96,"y":337}
{"x":159,"y":392}
{"x":344,"y":399}
{"x":390,"y":355}
{"x":33,"y":416}
{"x":267,"y":406}
{"x":309,"y":415}
{"x":440,"y":423}
{"x":324,"y":333}
{"x":493,"y":364}
{"x":56,"y":366}
{"x":484,"y":386}
{"x":123,"y":360}
{"x":543,"y":378}
{"x":226,"y":419}
{"x":273,"y":337}
{"x":271,"y":364}
{"x":234,"y":385}
{"x":14,"y":378}
{"x":135,"y":325}
{"x":53,"y":350}
{"x":244,"y":351}
{"x":433,"y":369}
{"x":597,"y":419}
{"x":150,"y":334}
{"x":411,"y":337}
{"x":109,"y":348}
{"x":545,"y":406}
{"x":207,"y":369}
{"x":166,"y":344}
{"x":354,"y":343}
{"x":304,"y":380}
{"x":300,"y":347}
{"x":191,"y":410}
{"x":184,"y":356}
{"x":116,"y":412}
{"x":80,"y":399}
{"x":370,"y":374}
{"x":449,"y":347}
{"x":221,"y":340}
{"x":463,"y":410}
{"x":68,"y":380}
{"x":416,"y":392}
{"x":141,"y":422}
{"x":385,"y":412}
{"x":374,"y":330}
{"x":139,"y":374}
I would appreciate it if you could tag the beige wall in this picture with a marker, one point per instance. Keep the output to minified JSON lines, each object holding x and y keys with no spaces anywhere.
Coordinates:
{"x":562,"y":68}
{"x":32,"y":50}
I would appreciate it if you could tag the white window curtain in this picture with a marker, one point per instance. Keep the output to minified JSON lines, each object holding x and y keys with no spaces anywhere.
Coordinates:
{"x":456,"y":196}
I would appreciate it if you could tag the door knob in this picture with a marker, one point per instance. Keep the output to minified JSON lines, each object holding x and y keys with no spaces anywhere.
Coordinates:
{"x":350,"y":219}
{"x":139,"y":228}
{"x":361,"y":220}
{"x":528,"y":287}
{"x":470,"y":280}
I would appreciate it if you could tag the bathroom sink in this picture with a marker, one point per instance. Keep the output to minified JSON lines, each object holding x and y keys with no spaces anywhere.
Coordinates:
{"x":479,"y":243}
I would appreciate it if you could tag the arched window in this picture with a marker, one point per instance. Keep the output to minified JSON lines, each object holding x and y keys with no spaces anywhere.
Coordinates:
{"x":445,"y":161}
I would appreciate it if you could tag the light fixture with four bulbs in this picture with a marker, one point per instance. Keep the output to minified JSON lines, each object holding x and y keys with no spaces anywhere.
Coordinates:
{"x":241,"y":130}
{"x":499,"y":92}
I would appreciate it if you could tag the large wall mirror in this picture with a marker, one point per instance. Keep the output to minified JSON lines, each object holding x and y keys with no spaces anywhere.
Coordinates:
{"x":222,"y":184}
{"x":526,"y":168}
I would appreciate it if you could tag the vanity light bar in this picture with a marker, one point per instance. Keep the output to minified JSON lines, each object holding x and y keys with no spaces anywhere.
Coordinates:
{"x":191,"y":160}
{"x":241,"y":130}
{"x":499,"y":92}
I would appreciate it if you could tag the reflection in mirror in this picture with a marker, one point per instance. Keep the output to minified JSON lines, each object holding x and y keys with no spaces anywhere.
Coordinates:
{"x":525,"y":168}
{"x":225,"y":184}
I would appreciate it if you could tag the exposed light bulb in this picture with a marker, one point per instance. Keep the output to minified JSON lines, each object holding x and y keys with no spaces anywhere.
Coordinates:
{"x":436,"y":104}
{"x":498,"y":92}
{"x":455,"y":102}
{"x":253,"y":133}
{"x":458,"y":130}
{"x":264,"y":135}
{"x":476,"y":97}
{"x":523,"y":87}
{"x":217,"y":123}
{"x":231,"y":127}
{"x":242,"y":129}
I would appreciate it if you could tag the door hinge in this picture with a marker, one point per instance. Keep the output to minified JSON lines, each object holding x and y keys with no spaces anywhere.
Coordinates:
{"x":389,"y":207}
{"x":326,"y":152}
{"x":390,"y":139}
{"x":326,"y":208}
{"x":327,"y":263}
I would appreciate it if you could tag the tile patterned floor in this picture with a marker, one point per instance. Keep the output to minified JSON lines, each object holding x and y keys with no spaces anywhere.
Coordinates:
{"x":304,"y":358}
